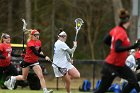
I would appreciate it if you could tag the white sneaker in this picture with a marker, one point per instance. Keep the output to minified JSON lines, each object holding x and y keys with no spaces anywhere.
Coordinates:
{"x":49,"y":91}
{"x":12,"y":82}
{"x":7,"y":84}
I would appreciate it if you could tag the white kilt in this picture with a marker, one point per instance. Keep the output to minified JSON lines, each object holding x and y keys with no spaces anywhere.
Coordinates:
{"x":58,"y":73}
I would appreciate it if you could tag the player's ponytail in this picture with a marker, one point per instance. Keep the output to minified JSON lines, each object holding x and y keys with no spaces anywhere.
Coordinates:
{"x":124,"y":16}
{"x":1,"y":39}
{"x":60,"y":30}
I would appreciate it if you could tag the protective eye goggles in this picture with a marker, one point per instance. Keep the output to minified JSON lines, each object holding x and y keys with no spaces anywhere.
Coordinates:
{"x":36,"y":35}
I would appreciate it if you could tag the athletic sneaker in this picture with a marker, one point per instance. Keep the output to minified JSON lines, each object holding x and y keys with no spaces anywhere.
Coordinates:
{"x":49,"y":91}
{"x":7,"y":84}
{"x":12,"y":82}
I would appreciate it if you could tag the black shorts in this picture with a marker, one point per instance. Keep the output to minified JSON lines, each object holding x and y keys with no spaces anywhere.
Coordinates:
{"x":27,"y":64}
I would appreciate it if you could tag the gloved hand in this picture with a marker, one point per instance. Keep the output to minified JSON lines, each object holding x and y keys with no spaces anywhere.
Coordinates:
{"x":138,"y":40}
{"x":136,"y":44}
{"x":75,"y":43}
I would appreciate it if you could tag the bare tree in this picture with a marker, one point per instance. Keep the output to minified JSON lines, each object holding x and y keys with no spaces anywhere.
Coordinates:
{"x":10,"y":15}
{"x":28,"y":12}
{"x":117,"y":4}
{"x":133,"y":29}
{"x":94,"y":18}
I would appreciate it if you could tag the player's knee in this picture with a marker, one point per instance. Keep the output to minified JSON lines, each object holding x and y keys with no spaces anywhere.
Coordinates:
{"x":78,"y":75}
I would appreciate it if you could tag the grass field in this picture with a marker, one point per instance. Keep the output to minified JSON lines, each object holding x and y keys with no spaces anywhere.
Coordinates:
{"x":31,"y":91}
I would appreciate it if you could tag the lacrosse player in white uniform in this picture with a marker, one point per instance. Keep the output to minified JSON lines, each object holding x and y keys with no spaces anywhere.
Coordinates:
{"x":62,"y":59}
{"x":130,"y":62}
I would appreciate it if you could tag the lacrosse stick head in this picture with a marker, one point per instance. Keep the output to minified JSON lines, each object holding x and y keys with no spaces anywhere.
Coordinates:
{"x":79,"y":22}
{"x":24,"y":25}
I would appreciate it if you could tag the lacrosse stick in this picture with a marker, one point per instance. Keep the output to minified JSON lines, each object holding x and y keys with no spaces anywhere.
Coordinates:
{"x":63,"y":71}
{"x":24,"y":29}
{"x":79,"y":22}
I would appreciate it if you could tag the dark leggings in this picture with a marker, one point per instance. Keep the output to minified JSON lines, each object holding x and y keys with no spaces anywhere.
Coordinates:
{"x":110,"y":72}
{"x":8,"y":71}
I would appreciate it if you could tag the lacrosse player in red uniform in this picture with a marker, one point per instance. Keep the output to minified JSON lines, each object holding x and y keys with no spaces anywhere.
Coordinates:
{"x":6,"y":67}
{"x":31,"y":60}
{"x":114,"y":64}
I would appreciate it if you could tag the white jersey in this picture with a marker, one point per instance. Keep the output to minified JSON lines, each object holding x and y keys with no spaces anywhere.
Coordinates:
{"x":131,"y":62}
{"x":61,"y":54}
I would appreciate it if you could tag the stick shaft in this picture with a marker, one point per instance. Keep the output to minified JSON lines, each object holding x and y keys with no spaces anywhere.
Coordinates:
{"x":23,"y":43}
{"x":75,"y":40}
{"x":54,"y":64}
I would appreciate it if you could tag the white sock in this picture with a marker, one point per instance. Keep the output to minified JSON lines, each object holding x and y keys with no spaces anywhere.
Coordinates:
{"x":45,"y":89}
{"x":14,"y":78}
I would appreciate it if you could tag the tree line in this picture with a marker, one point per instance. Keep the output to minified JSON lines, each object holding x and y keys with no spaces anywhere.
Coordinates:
{"x":50,"y":15}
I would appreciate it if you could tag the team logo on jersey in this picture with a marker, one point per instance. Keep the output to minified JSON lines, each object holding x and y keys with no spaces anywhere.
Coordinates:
{"x":9,"y":50}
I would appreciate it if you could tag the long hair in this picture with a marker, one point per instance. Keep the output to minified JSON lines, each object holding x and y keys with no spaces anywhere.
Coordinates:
{"x":29,"y":35}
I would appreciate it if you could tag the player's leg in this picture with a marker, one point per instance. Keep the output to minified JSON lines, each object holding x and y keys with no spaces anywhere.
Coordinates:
{"x":1,"y":76}
{"x":108,"y":75}
{"x":74,"y":73}
{"x":37,"y":69}
{"x":106,"y":82}
{"x":128,"y":74}
{"x":11,"y":81}
{"x":67,"y":79}
{"x":10,"y":71}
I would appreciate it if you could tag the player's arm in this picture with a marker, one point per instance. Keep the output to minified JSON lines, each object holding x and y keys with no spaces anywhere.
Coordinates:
{"x":107,"y":39}
{"x":1,"y":56}
{"x":37,"y":53}
{"x":120,"y":48}
{"x":70,"y":51}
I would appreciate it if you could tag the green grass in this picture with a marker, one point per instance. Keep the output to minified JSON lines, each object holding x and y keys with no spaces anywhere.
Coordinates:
{"x":31,"y":91}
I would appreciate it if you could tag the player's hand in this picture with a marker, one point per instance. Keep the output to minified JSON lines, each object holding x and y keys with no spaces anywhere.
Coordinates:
{"x":75,"y":43}
{"x":47,"y":58}
{"x":41,"y":53}
{"x":71,"y":61}
{"x":137,"y":44}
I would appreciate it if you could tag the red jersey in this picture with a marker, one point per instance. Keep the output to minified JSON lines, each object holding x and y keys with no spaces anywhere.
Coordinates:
{"x":6,"y":51}
{"x":137,"y":54}
{"x":30,"y":57}
{"x":115,"y":58}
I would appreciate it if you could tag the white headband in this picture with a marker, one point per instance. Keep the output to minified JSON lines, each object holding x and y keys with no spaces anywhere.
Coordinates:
{"x":132,"y":51}
{"x":63,"y":33}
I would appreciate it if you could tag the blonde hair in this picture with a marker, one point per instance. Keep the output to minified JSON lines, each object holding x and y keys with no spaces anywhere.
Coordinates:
{"x":30,"y":31}
{"x":28,"y":34}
